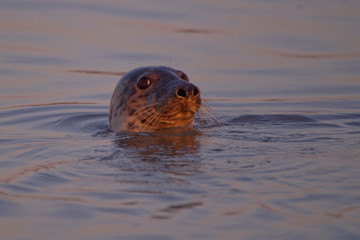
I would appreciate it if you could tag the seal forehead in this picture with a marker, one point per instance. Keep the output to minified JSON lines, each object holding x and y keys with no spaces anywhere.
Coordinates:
{"x":152,"y":71}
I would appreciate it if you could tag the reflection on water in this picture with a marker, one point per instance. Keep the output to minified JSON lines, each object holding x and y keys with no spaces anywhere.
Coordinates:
{"x":169,"y":143}
{"x":170,"y":151}
{"x":282,"y":76}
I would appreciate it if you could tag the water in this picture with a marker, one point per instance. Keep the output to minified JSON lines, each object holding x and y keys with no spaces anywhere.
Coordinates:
{"x":283,"y":77}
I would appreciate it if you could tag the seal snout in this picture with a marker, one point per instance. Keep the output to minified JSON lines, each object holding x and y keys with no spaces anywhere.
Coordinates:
{"x":186,"y":91}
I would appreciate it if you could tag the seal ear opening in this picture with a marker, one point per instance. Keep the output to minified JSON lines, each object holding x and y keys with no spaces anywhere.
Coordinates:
{"x":182,"y":75}
{"x":143,"y":83}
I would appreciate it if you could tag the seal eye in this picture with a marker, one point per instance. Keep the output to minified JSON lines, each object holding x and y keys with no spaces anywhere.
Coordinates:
{"x":143,"y":83}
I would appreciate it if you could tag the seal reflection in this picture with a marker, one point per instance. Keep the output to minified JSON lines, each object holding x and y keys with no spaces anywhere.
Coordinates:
{"x":168,"y":150}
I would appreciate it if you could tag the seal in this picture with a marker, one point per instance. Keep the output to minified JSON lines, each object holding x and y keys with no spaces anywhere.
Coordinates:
{"x":147,"y":99}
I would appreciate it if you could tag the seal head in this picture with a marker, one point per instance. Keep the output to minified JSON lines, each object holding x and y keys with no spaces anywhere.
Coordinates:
{"x":152,"y":98}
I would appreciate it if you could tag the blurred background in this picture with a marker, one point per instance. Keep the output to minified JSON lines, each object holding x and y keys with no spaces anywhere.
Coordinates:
{"x":61,"y":50}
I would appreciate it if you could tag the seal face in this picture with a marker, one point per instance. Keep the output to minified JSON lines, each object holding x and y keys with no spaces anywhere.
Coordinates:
{"x":152,"y":98}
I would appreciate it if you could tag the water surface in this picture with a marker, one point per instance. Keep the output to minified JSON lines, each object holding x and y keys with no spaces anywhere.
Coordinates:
{"x":283,"y":77}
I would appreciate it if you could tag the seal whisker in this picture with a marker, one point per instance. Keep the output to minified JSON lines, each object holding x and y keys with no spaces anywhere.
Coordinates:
{"x":148,"y":116}
{"x":145,"y":108}
{"x":206,"y":118}
{"x":208,"y":114}
{"x":153,"y":119}
{"x":211,"y":112}
{"x":203,"y":117}
{"x":134,"y":121}
{"x":144,"y":114}
{"x":157,"y":116}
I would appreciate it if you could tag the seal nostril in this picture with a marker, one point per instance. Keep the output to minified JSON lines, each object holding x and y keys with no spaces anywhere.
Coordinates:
{"x":180,"y":92}
{"x":196,"y":91}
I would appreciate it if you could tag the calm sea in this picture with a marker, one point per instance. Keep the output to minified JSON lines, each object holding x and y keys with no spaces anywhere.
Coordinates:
{"x":283,"y":77}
